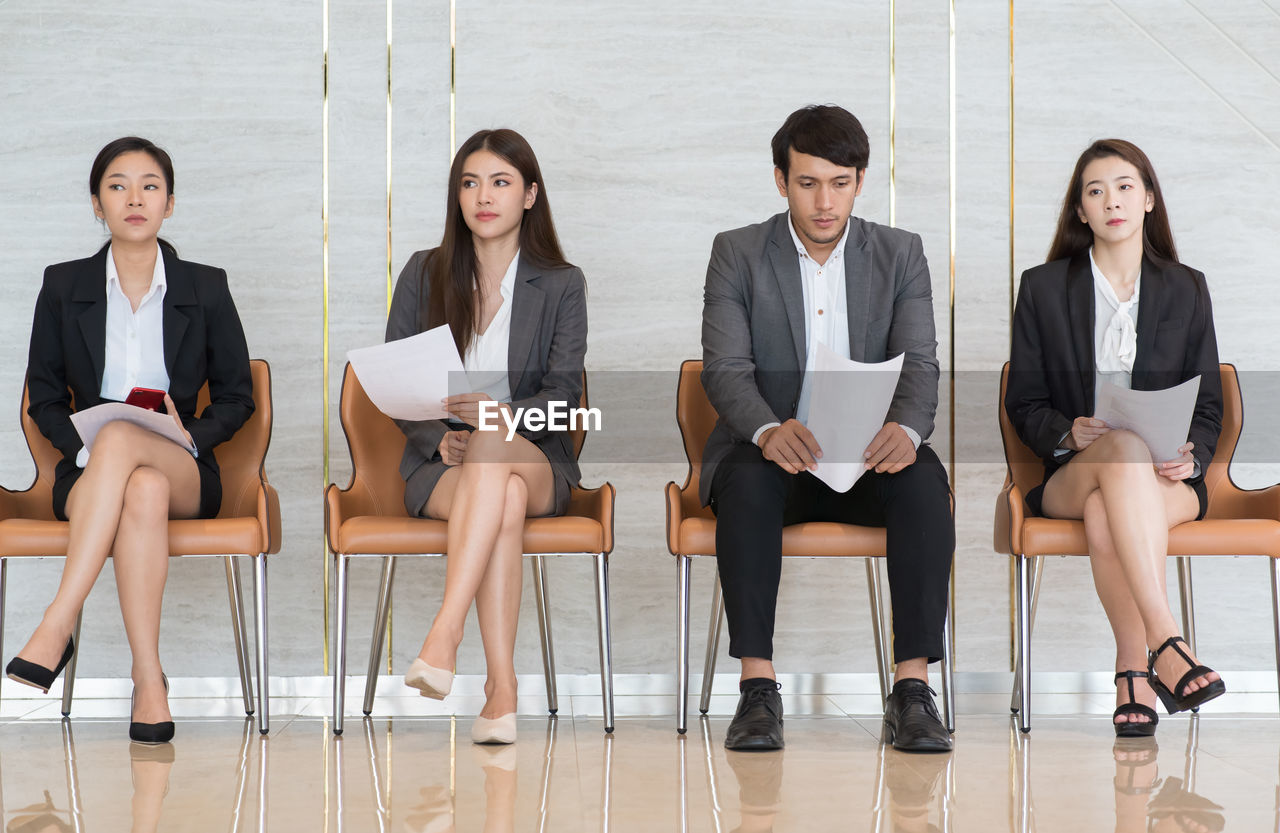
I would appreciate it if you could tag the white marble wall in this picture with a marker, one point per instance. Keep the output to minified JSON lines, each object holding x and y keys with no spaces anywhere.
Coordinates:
{"x":652,"y":124}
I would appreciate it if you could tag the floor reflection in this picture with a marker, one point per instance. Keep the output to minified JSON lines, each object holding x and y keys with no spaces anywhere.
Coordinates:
{"x":1145,"y":801}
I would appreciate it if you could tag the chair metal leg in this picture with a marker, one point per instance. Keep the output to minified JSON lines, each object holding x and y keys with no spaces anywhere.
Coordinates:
{"x":713,"y":645}
{"x":69,"y":679}
{"x":1023,"y":605}
{"x":682,"y":644}
{"x":260,"y":620}
{"x":4,"y":579}
{"x":1188,"y":602}
{"x":380,"y":617}
{"x":606,"y":639}
{"x":948,"y":680}
{"x":544,"y":629}
{"x":234,"y":596}
{"x":339,"y":668}
{"x":1037,"y":572}
{"x":877,"y":625}
{"x":1275,"y":610}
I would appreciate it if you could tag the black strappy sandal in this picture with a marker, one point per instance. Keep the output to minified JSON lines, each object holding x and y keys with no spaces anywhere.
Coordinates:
{"x":1131,"y":728}
{"x":1178,"y":699}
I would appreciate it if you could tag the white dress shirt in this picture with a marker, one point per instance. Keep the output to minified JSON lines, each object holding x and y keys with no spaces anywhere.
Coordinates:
{"x":826,"y":315}
{"x":1115,"y":331}
{"x":486,"y":359}
{"x":134,"y":355}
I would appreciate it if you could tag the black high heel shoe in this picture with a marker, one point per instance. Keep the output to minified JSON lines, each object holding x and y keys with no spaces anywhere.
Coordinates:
{"x":1178,"y":699}
{"x":150,"y":732}
{"x":1132,"y":728}
{"x":37,"y":676}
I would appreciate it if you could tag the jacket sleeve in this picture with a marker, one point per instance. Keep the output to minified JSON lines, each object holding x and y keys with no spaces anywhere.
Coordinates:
{"x":563,"y":380}
{"x":1202,"y":358}
{"x":915,"y":401}
{"x":1027,"y":398}
{"x":402,"y":322}
{"x":49,"y":399}
{"x":230,"y":378}
{"x":728,"y":362}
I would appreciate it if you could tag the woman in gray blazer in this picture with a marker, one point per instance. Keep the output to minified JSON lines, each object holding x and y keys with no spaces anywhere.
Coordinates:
{"x":517,"y":312}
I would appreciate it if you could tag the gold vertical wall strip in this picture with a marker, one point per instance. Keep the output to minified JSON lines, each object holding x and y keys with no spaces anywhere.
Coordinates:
{"x":893,"y":114}
{"x":324,"y":260}
{"x":1012,"y":572}
{"x":390,"y":618}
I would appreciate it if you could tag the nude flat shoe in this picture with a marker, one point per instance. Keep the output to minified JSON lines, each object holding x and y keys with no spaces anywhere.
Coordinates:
{"x":498,"y":730}
{"x":430,"y":681}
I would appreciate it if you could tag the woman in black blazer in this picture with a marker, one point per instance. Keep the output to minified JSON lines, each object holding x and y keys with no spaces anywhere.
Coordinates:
{"x":1114,"y":304}
{"x":133,"y":315}
{"x":517,"y":312}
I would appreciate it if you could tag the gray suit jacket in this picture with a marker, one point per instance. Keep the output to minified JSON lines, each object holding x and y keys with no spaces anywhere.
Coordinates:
{"x":544,"y":358}
{"x":753,"y":327}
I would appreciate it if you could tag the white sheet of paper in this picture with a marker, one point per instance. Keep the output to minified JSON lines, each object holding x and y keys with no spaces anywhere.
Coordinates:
{"x":1161,"y":417}
{"x":90,"y":421}
{"x":847,"y":407}
{"x":406,"y":379}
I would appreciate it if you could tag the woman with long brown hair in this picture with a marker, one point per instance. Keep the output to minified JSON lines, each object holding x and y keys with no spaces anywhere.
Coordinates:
{"x":1114,"y":305}
{"x":517,"y":312}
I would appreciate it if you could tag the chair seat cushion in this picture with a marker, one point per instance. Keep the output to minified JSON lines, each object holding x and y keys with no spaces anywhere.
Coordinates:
{"x":814,"y":539}
{"x":1049,"y":536}
{"x":409,"y":536}
{"x":215,"y":536}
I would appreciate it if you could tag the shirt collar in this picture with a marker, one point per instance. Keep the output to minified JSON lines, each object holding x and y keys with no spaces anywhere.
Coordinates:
{"x":836,"y":253}
{"x":1108,"y":291}
{"x":158,"y":282}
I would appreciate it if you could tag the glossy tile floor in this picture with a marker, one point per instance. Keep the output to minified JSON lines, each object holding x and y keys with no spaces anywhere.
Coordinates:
{"x":417,"y":772}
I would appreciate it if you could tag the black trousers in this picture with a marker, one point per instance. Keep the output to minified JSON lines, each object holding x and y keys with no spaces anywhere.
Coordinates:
{"x":754,"y":499}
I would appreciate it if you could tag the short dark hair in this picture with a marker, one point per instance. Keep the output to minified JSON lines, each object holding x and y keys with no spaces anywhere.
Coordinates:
{"x":824,"y":130}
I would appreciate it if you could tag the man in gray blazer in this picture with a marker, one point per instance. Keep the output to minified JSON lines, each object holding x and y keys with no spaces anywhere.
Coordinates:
{"x":774,"y":291}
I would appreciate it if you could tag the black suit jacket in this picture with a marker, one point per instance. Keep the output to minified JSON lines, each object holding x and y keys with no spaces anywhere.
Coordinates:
{"x":1051,"y":367}
{"x":203,"y":341}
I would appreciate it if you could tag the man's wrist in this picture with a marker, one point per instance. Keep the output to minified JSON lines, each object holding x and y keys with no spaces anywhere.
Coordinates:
{"x":761,"y":431}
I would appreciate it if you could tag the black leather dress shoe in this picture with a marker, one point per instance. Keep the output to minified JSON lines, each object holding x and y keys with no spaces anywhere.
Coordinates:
{"x":911,"y":721}
{"x":757,"y":725}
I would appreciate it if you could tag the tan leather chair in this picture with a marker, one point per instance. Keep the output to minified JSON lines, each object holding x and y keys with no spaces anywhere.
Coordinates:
{"x":368,"y":520}
{"x":691,"y":531}
{"x":248,"y":525}
{"x":1238,"y":522}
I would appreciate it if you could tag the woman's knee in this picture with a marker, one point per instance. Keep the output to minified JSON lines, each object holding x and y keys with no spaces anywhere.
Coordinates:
{"x":1120,"y":446}
{"x":116,"y":443}
{"x":146,"y":495}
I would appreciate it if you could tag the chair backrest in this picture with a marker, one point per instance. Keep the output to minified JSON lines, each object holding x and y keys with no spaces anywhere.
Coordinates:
{"x":696,"y":417}
{"x":240,"y":458}
{"x":1027,"y":470}
{"x":377,"y":444}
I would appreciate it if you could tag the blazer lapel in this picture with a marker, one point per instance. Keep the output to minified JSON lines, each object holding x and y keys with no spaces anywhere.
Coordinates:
{"x":1080,"y":316}
{"x":91,"y":290}
{"x":1151,"y":293}
{"x":526,"y":315}
{"x":786,"y":270}
{"x":857,"y":290}
{"x":179,"y":292}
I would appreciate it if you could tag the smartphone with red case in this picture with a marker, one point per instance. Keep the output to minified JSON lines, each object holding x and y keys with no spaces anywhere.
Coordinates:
{"x":148,"y":398}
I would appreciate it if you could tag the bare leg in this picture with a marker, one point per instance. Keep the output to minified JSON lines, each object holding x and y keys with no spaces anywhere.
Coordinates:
{"x":472,"y":497}
{"x":1140,"y":507}
{"x":94,"y":508}
{"x":498,"y":604}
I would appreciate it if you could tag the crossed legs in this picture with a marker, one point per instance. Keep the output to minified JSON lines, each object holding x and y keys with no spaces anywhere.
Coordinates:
{"x":1128,"y":511}
{"x":134,"y":482}
{"x":485,"y":500}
